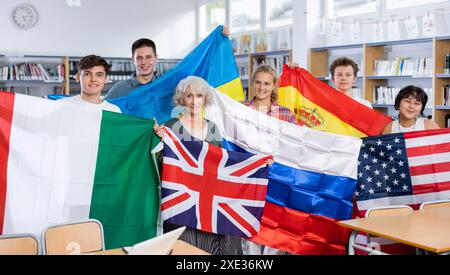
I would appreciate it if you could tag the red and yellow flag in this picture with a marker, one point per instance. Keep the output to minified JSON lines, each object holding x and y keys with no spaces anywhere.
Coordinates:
{"x":323,"y":108}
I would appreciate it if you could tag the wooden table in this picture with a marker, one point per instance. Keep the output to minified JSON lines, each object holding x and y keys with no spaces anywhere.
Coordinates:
{"x":425,"y":229}
{"x":180,"y":248}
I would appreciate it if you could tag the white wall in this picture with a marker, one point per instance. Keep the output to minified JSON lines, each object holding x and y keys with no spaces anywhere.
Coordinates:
{"x":306,"y":19}
{"x":103,"y":27}
{"x":441,"y":11}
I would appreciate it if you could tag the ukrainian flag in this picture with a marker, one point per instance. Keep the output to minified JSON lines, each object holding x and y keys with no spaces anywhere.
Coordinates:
{"x":323,"y":108}
{"x":212,"y":60}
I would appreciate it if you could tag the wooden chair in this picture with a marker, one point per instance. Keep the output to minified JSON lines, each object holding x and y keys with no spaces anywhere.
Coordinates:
{"x":377,"y":212}
{"x":25,"y":244}
{"x":435,"y":204}
{"x":73,"y":238}
{"x":389,"y":211}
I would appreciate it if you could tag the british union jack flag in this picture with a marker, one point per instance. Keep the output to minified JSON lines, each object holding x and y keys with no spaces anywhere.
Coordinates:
{"x":212,"y":189}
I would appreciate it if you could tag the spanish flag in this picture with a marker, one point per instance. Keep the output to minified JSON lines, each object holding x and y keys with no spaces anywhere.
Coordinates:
{"x":212,"y":60}
{"x":323,"y":108}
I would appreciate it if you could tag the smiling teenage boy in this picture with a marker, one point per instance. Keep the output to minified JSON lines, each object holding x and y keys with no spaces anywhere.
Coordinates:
{"x":144,"y":58}
{"x":93,"y":77}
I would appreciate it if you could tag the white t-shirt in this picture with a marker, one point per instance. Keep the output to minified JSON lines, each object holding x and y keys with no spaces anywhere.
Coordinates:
{"x":418,"y":126}
{"x":77,"y":100}
{"x":363,"y":102}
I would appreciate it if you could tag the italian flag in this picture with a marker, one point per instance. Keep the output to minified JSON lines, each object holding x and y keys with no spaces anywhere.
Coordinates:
{"x":64,"y":163}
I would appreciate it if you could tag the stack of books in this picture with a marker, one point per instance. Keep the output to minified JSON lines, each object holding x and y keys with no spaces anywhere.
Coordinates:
{"x":404,"y":66}
{"x":30,"y":72}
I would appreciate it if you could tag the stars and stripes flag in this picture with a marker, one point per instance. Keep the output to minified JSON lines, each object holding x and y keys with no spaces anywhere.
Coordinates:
{"x":403,"y":169}
{"x":212,"y":189}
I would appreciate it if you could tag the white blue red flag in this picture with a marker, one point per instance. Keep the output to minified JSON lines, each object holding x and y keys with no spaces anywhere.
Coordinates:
{"x":212,"y":189}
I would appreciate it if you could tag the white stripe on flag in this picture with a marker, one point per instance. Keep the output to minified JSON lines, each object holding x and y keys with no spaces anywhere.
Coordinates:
{"x":430,"y":178}
{"x":402,"y":200}
{"x":428,"y":140}
{"x":292,"y":145}
{"x":52,"y":161}
{"x":429,"y":159}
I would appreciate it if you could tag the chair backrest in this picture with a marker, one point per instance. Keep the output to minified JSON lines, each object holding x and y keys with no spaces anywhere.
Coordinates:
{"x":435,"y":204}
{"x":73,"y":238}
{"x":389,"y":210}
{"x":19,"y":245}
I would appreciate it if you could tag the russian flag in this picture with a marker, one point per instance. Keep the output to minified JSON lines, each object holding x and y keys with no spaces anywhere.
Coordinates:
{"x":212,"y":60}
{"x":311,"y":185}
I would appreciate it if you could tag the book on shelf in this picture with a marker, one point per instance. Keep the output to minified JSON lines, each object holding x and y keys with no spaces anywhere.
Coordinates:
{"x":261,"y":43}
{"x":276,"y":62}
{"x":284,"y":39}
{"x":404,"y":66}
{"x":447,"y":64}
{"x":243,"y":71}
{"x":32,"y":72}
{"x":386,"y":95}
{"x":245,"y":44}
{"x":234,"y":44}
{"x":446,"y":93}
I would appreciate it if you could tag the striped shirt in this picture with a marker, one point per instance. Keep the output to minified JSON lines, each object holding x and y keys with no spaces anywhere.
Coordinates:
{"x":277,"y":111}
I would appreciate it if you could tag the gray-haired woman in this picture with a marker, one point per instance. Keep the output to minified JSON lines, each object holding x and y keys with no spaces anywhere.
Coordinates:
{"x":194,"y":94}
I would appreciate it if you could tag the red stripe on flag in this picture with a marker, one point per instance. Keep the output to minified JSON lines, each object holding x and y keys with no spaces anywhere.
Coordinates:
{"x":182,"y":151}
{"x":430,"y":169}
{"x":175,"y":201}
{"x":345,"y":108}
{"x":238,"y":218}
{"x":6,"y":115}
{"x":427,"y":133}
{"x":428,"y":150}
{"x":301,"y":233}
{"x":251,"y":167}
{"x":431,"y":188}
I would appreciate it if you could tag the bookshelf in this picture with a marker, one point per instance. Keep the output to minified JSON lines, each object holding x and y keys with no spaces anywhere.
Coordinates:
{"x":122,"y":68}
{"x":247,"y":63}
{"x":32,"y":75}
{"x":43,"y":75}
{"x":429,"y":53}
{"x":321,"y":58}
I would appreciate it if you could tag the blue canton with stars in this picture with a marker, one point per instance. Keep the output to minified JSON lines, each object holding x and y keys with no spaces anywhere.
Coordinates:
{"x":383,"y":169}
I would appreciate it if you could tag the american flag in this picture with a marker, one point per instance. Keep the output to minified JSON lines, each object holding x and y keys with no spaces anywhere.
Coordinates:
{"x":403,"y":169}
{"x":212,"y":189}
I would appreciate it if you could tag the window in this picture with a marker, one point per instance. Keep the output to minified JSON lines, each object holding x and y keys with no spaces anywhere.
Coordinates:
{"x":279,"y":13}
{"x":245,"y":15}
{"x":211,"y":15}
{"x":337,"y":8}
{"x":398,"y":4}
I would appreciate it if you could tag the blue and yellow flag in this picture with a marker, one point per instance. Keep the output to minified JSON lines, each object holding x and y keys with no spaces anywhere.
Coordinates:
{"x":212,"y":60}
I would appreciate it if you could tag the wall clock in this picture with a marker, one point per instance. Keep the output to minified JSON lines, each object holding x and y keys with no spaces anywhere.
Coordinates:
{"x":25,"y":16}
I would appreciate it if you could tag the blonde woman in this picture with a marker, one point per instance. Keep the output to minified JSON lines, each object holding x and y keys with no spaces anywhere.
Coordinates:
{"x":265,"y":81}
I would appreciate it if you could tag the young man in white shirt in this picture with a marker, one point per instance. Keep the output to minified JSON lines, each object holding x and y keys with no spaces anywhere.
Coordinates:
{"x":93,"y":77}
{"x":344,"y":72}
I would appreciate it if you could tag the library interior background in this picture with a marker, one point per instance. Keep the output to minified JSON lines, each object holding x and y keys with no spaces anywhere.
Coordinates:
{"x":394,"y":44}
